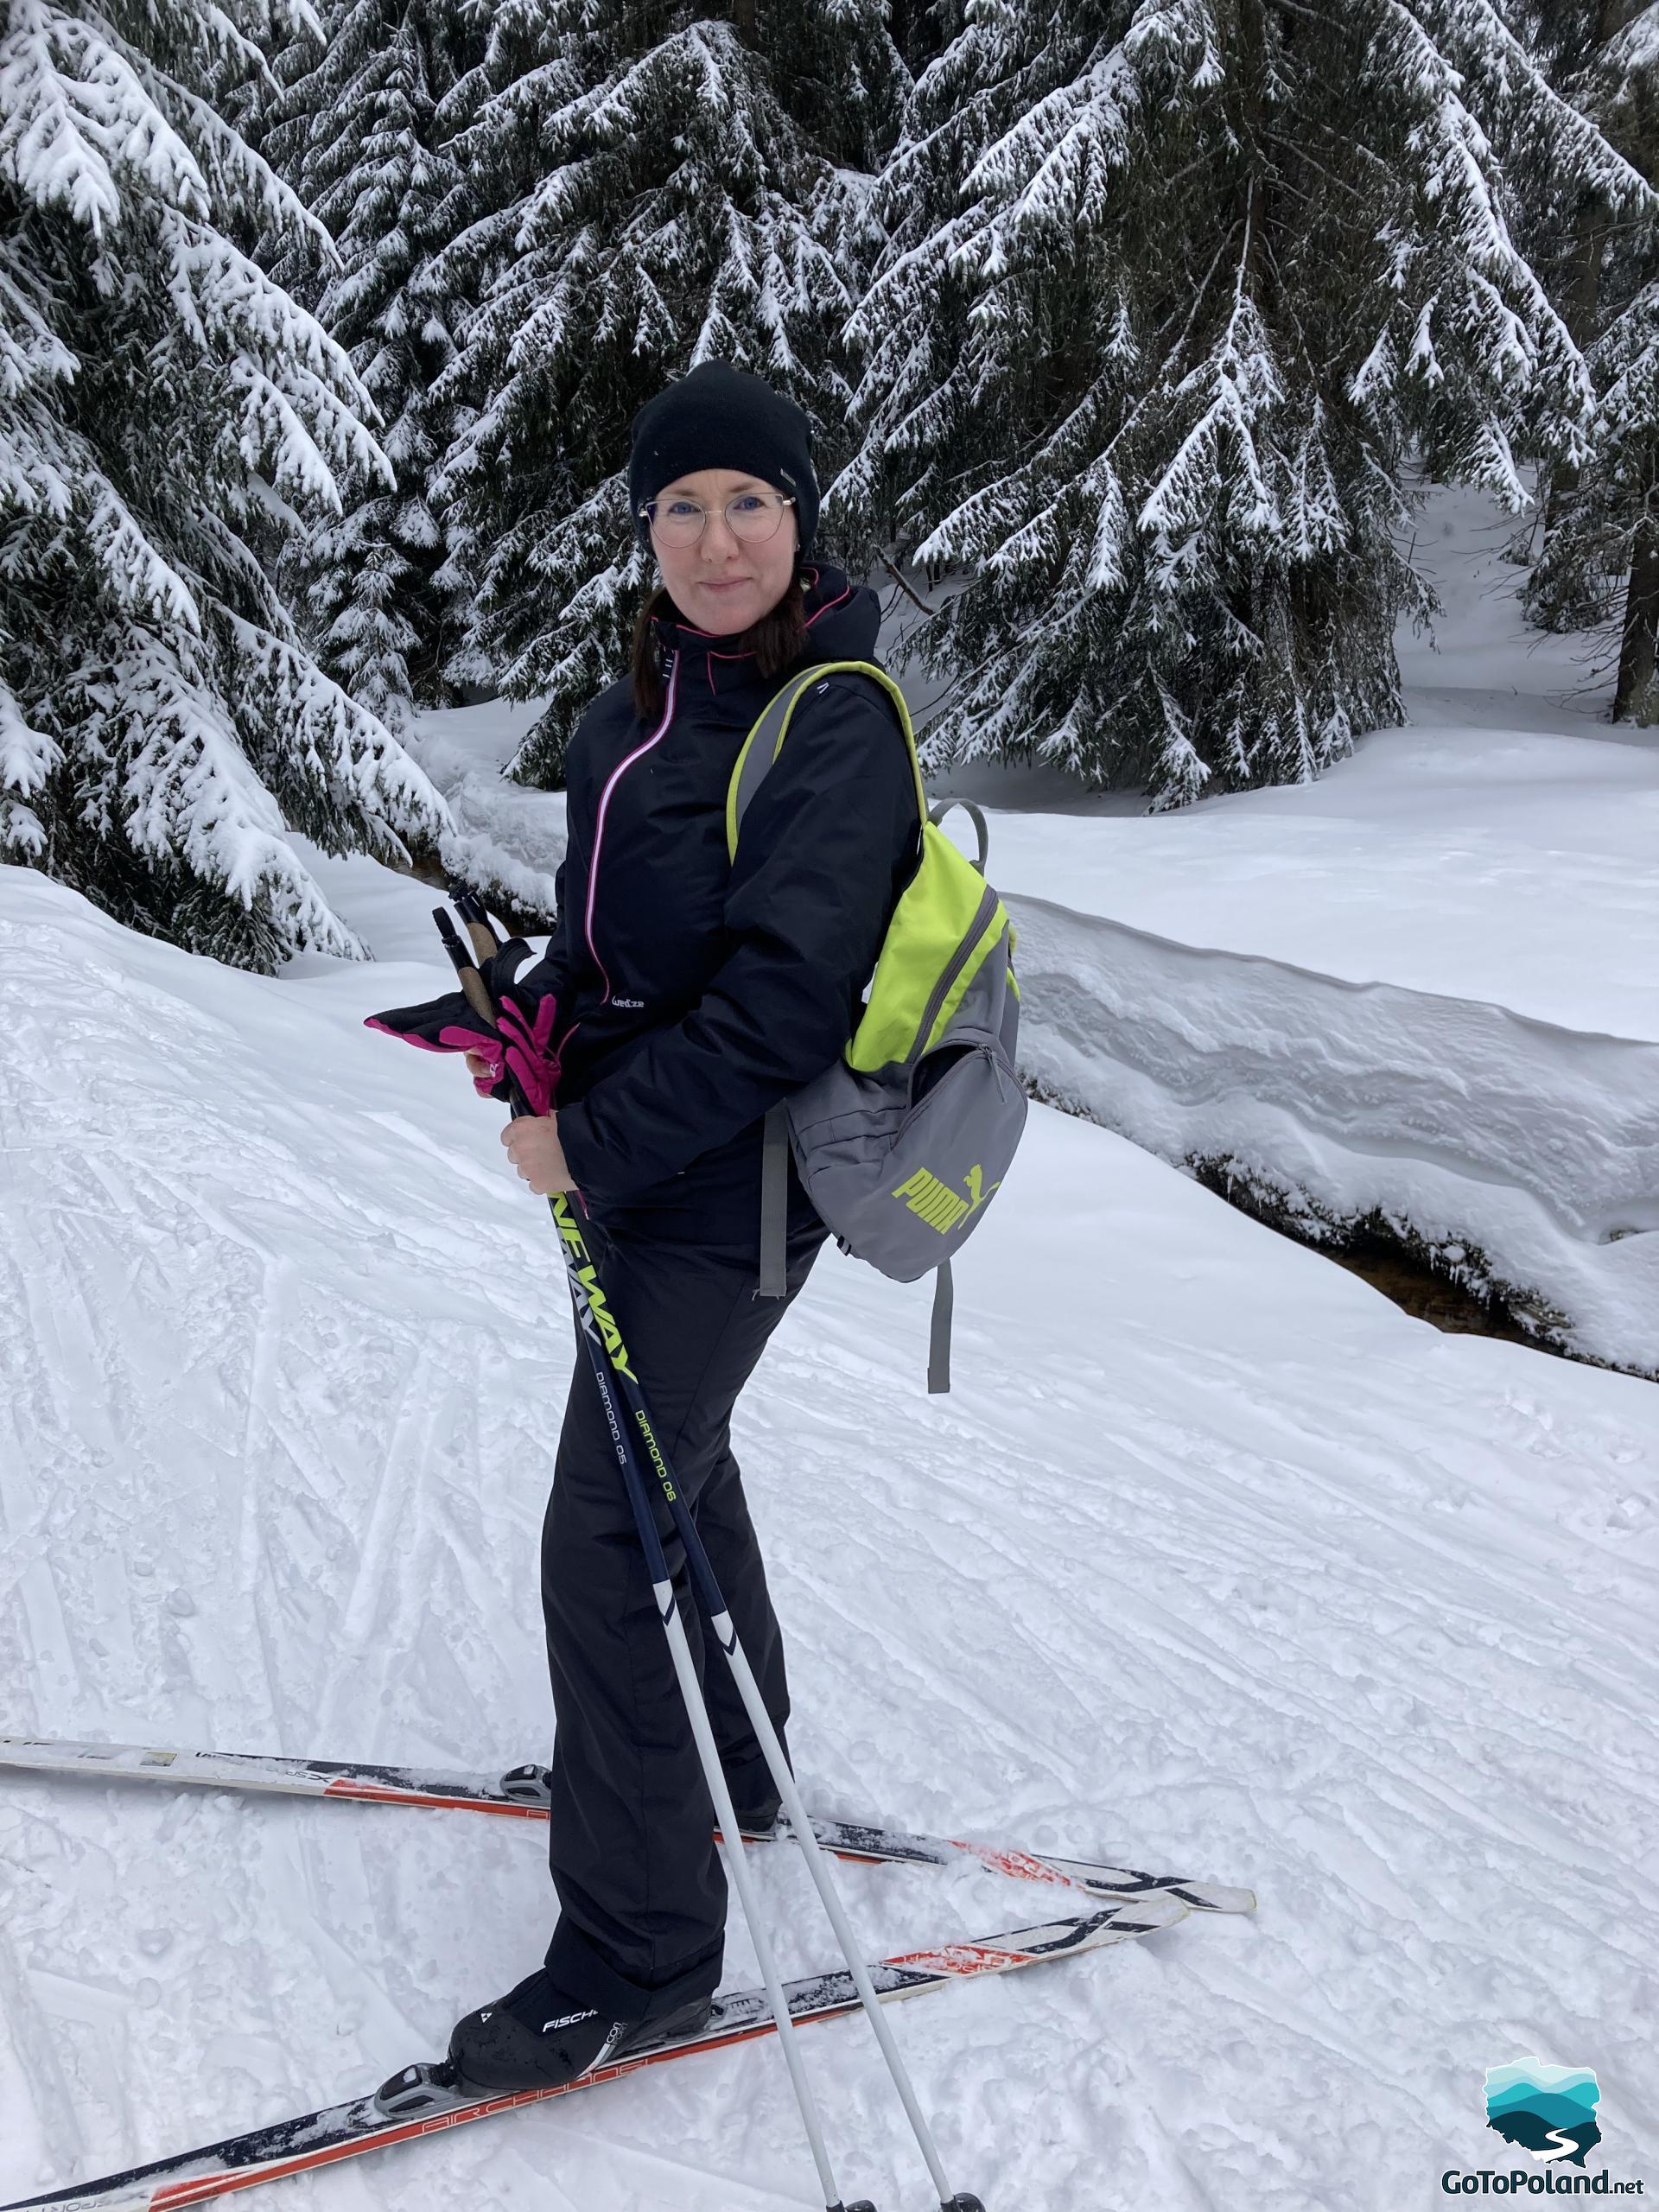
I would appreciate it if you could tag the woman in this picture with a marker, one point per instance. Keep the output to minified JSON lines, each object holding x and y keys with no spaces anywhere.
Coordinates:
{"x":692,"y":994}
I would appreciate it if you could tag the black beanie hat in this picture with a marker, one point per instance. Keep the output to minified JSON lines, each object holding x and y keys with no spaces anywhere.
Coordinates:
{"x":718,"y":417}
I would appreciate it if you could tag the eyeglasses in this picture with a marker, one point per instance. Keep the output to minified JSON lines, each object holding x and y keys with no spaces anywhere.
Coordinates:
{"x":751,"y":516}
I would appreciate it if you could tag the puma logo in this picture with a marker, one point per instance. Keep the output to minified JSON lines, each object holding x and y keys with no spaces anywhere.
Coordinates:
{"x":934,"y":1201}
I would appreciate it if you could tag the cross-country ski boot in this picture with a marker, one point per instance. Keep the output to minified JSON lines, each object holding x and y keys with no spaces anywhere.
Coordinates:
{"x":538,"y":2036}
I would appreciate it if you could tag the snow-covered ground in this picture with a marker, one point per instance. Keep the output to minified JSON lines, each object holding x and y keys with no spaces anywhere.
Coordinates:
{"x":1213,"y":1558}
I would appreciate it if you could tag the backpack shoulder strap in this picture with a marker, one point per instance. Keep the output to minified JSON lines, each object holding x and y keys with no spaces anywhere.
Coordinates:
{"x":766,"y":741}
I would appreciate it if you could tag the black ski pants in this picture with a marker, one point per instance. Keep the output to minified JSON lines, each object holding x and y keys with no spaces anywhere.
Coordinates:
{"x":641,"y":1891}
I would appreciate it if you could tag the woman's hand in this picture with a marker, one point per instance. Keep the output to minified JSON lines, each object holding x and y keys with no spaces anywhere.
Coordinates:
{"x":532,"y":1142}
{"x":533,"y":1146}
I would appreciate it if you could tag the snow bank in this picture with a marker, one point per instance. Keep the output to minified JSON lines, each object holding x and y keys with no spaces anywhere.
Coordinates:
{"x":506,"y":839}
{"x":1527,"y":1155}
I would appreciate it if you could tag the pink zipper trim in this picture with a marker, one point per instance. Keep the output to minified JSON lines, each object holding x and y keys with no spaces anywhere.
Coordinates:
{"x":599,"y":820}
{"x":828,"y":604}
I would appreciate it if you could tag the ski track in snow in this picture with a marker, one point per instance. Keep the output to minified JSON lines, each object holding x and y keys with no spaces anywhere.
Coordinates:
{"x":1213,"y":1560}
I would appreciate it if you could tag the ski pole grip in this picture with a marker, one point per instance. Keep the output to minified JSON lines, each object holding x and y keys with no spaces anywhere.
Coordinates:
{"x":476,"y":993}
{"x":473,"y":918}
{"x":483,"y":938}
{"x":472,"y":982}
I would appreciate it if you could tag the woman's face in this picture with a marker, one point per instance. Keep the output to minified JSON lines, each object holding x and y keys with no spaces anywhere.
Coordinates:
{"x":724,"y":582}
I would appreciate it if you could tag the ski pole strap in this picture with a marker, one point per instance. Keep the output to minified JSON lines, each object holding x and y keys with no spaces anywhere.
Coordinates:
{"x":774,"y":1204}
{"x":939,"y":1335}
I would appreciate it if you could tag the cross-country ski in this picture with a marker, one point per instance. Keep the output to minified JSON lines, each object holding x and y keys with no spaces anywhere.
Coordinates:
{"x":419,"y":2103}
{"x":523,"y":1792}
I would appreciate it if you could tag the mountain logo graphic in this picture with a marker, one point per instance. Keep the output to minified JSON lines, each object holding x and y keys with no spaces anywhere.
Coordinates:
{"x":1548,"y":2110}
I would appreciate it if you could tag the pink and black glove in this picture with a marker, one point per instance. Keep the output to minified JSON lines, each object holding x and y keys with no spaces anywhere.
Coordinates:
{"x":520,"y":1045}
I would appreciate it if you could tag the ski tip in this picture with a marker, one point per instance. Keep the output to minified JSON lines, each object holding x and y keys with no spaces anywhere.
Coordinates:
{"x":1214,"y":1897}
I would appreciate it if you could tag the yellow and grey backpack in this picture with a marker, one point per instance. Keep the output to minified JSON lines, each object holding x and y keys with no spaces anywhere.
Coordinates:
{"x":901,"y":1142}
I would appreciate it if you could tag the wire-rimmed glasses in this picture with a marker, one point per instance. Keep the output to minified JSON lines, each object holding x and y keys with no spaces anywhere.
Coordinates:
{"x":751,"y":516}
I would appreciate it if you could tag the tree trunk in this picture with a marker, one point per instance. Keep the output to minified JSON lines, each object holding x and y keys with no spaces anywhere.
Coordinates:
{"x":1636,"y":694}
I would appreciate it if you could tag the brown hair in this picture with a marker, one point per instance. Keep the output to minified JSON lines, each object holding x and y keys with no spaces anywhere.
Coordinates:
{"x":777,"y":640}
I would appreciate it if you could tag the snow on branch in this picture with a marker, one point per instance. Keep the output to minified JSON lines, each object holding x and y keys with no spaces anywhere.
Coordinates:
{"x":32,"y":354}
{"x":189,"y":794}
{"x":1056,"y":164}
{"x":134,"y":571}
{"x":233,"y":172}
{"x":349,"y":750}
{"x":76,"y":120}
{"x":1476,"y":30}
{"x":1239,"y":384}
{"x":28,"y":757}
{"x":1633,"y":50}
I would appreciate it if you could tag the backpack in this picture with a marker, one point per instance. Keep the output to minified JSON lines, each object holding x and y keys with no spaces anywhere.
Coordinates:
{"x":900,"y":1143}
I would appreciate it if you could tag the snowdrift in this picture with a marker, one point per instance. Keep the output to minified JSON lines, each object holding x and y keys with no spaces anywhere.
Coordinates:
{"x":1526,"y":1156}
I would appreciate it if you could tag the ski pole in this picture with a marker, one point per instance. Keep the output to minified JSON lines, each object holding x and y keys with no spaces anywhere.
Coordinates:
{"x":594,"y":1323}
{"x":580,"y":1265}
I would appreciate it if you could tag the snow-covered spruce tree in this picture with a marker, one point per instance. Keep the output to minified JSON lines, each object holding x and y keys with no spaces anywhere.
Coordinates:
{"x":1171,"y":289}
{"x":1599,"y":565}
{"x":351,"y":128}
{"x":651,"y":203}
{"x":161,"y":402}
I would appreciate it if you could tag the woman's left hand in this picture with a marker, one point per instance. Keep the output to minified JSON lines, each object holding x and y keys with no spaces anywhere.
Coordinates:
{"x":533,"y":1146}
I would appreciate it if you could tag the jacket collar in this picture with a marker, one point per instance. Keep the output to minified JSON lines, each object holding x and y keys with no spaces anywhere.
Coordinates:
{"x":842,"y":620}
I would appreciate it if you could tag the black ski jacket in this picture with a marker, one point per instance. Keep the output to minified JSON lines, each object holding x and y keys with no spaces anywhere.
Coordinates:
{"x":694,"y":993}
